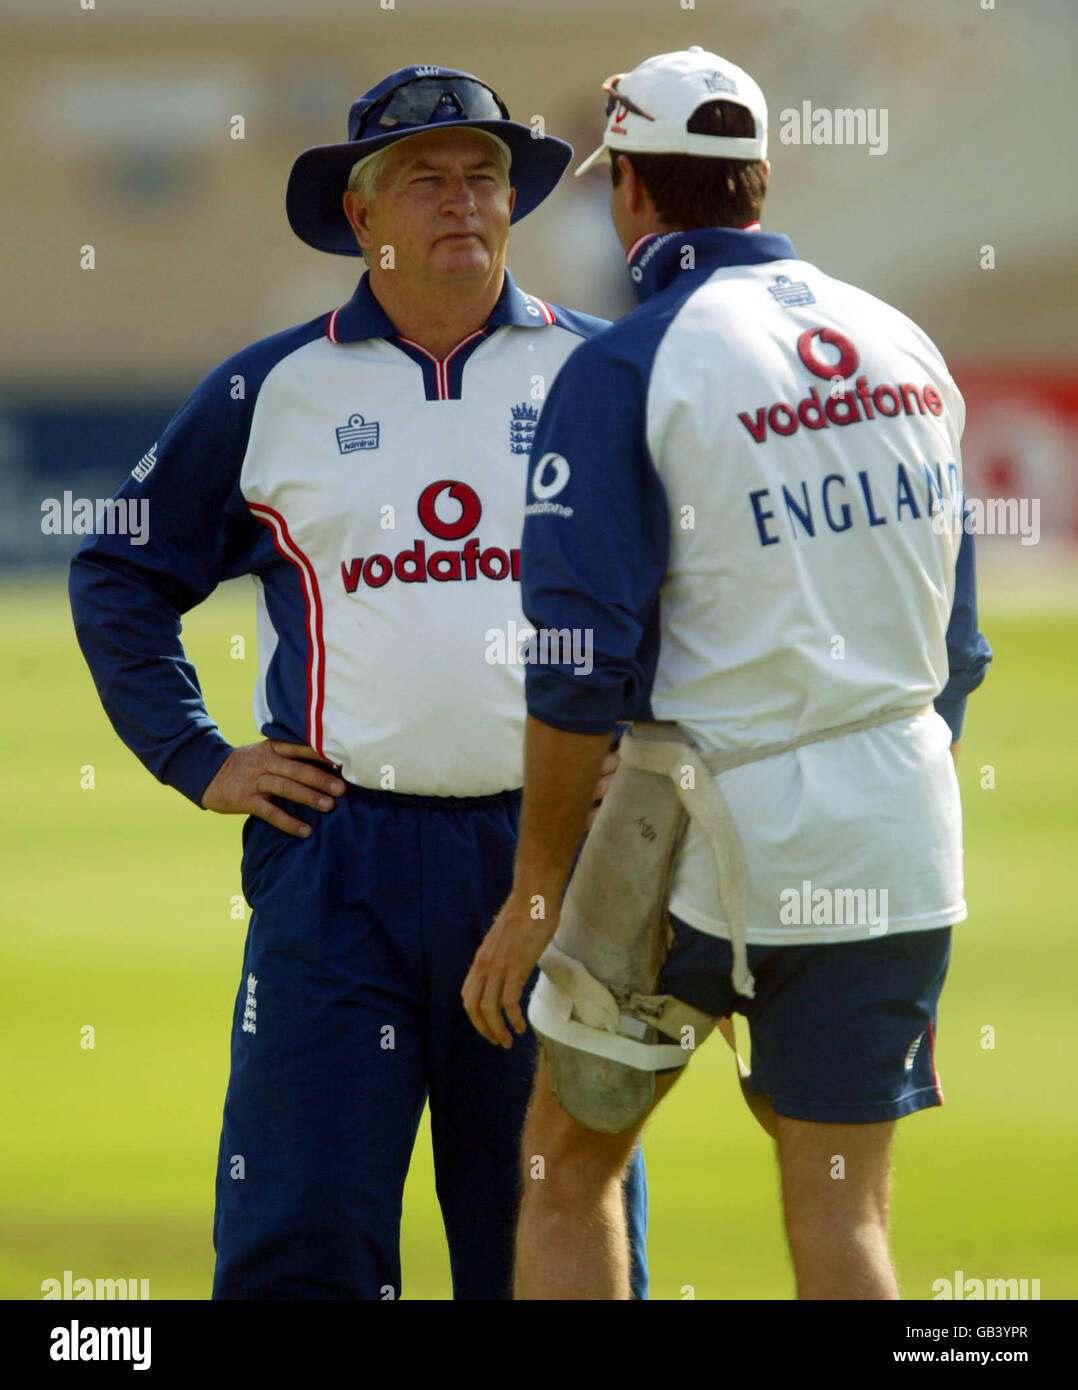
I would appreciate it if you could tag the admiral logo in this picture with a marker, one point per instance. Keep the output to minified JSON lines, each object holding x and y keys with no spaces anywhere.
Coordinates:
{"x":842,"y":407}
{"x":719,"y":82}
{"x":790,"y":293}
{"x":145,"y":465}
{"x":523,"y":419}
{"x":415,"y":566}
{"x":357,"y":434}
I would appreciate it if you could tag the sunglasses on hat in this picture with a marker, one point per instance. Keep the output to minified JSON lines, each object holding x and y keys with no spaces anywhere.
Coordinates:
{"x":615,"y":98}
{"x":416,"y":101}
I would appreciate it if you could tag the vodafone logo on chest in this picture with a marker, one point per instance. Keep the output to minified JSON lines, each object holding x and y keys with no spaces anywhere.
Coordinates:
{"x":449,"y":511}
{"x":831,"y":356}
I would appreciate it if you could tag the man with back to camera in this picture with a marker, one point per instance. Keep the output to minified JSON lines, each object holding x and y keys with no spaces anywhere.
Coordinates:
{"x":366,"y":468}
{"x":760,"y":532}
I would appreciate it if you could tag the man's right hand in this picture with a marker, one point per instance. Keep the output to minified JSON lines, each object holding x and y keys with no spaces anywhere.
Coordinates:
{"x":250,"y":775}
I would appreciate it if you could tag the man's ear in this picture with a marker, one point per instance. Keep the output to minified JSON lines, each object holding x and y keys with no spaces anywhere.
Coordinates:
{"x":512,"y":200}
{"x":642,"y":198}
{"x":636,"y":195}
{"x":357,"y":210}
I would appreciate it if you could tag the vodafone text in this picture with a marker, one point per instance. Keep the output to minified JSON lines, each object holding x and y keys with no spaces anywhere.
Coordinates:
{"x":816,"y":347}
{"x":842,"y":407}
{"x":414,"y":566}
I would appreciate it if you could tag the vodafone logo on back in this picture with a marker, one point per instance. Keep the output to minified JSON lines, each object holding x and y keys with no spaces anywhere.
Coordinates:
{"x":832,"y":356}
{"x":448,"y":510}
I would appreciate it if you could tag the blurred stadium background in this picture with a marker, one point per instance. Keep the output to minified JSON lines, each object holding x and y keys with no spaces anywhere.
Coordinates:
{"x":118,"y":901}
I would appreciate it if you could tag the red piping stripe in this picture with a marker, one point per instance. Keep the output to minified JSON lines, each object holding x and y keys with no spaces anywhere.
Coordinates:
{"x":430,"y":358}
{"x":441,"y":364}
{"x":316,"y":651}
{"x":446,"y":360}
{"x":932,"y":1056}
{"x":635,"y":247}
{"x":419,"y":348}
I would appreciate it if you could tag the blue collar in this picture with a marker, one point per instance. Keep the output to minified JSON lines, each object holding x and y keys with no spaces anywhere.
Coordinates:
{"x":655,"y":262}
{"x":363,"y":316}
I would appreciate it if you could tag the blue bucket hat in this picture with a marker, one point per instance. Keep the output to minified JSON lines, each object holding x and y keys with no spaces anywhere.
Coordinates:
{"x":402,"y":104}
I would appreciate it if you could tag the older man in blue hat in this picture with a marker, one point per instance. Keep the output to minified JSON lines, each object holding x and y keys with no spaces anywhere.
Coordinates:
{"x":368,"y":469}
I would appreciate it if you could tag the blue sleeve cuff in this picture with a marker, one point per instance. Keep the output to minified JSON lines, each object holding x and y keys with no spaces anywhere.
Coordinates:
{"x":576,"y":706}
{"x":193,"y":767}
{"x":954,"y":711}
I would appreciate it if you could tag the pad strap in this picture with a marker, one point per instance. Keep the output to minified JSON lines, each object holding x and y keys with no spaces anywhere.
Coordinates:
{"x":593,"y":1003}
{"x":673,"y":756}
{"x":551,"y":1012}
{"x":614,"y":1010}
{"x":668,"y":1015}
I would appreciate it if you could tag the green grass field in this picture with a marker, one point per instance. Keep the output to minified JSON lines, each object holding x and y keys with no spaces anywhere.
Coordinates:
{"x":117,"y":914}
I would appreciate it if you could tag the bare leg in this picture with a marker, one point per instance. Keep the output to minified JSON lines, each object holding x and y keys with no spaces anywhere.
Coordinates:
{"x":835,"y":1190}
{"x":572,"y":1236}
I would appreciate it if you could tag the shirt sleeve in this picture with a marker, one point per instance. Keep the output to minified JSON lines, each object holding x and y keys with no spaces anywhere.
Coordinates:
{"x":968,"y":652}
{"x":595,"y":547}
{"x":129,"y":591}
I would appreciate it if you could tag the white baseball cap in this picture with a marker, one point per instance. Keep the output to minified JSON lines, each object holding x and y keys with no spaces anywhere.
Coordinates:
{"x":650,"y":108}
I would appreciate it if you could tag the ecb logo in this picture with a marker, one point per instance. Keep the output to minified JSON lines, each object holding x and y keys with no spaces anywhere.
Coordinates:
{"x":523,"y":419}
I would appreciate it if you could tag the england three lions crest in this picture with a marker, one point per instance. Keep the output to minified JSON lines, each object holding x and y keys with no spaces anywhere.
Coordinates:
{"x":523,"y":419}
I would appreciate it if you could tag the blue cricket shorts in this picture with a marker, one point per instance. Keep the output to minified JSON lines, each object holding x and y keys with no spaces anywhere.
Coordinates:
{"x":843,"y":1033}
